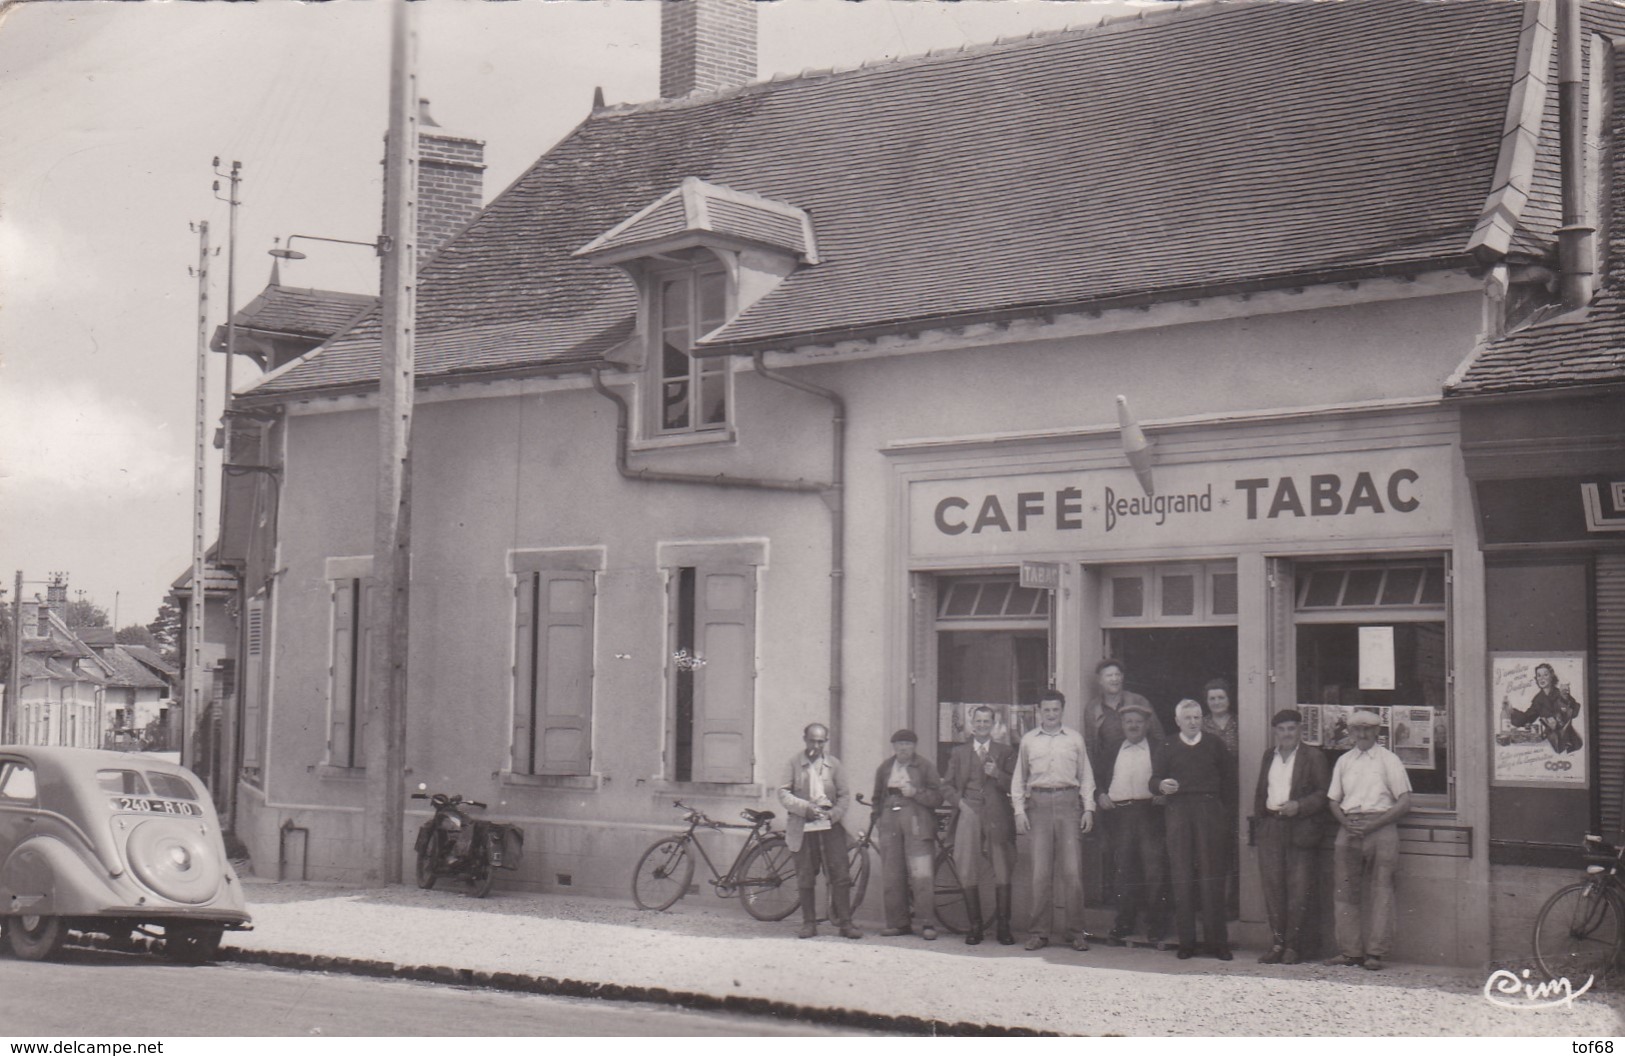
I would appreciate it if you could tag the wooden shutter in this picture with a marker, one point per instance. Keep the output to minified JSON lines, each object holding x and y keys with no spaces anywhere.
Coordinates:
{"x":363,"y":679}
{"x":252,"y":689}
{"x":922,"y":674}
{"x":725,"y":685}
{"x":1282,"y":628}
{"x":1608,"y":712}
{"x":341,"y":676}
{"x":564,"y":662}
{"x":524,"y":670}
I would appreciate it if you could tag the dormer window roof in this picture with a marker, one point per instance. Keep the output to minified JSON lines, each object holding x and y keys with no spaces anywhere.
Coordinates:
{"x":697,"y":213}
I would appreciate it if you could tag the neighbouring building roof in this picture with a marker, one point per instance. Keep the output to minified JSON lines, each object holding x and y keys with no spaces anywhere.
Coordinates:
{"x":127,"y":671}
{"x":156,"y":663}
{"x":291,"y":311}
{"x":1208,"y":149}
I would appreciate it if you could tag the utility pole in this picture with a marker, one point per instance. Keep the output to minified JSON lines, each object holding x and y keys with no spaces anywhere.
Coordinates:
{"x":226,"y":728}
{"x":192,"y":710}
{"x":14,"y":680}
{"x":389,"y":615}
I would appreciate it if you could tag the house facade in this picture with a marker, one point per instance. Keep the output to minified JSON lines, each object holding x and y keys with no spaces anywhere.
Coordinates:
{"x":799,"y":401}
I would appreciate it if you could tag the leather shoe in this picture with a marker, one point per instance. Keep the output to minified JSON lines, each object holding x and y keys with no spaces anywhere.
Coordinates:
{"x":1290,"y":956}
{"x":808,"y":931}
{"x":1275,"y":956}
{"x":1185,"y":953}
{"x":928,"y":933}
{"x":889,"y":933}
{"x":1080,"y":944}
{"x":849,"y":932}
{"x":1037,"y":942}
{"x":1341,"y":961}
{"x":1372,"y":964}
{"x":1223,"y":953}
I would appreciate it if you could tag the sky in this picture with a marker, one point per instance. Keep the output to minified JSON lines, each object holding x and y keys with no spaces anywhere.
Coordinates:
{"x":110,"y":116}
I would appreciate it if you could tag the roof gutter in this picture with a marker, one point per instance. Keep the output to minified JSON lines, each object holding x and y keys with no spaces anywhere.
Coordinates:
{"x":1576,"y":251}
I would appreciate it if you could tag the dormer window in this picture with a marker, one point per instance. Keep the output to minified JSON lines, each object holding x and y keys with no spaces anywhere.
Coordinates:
{"x":701,"y":255}
{"x":688,"y":395}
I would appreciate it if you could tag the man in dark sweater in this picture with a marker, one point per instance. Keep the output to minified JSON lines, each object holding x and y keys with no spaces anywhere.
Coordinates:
{"x":1197,"y":778}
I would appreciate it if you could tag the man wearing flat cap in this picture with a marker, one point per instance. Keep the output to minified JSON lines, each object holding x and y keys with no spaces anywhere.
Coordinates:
{"x":907,"y":792}
{"x":1133,"y":824}
{"x":1288,"y":807}
{"x":1369,"y":792}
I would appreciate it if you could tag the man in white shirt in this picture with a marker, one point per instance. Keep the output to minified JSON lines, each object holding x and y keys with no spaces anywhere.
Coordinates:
{"x":1133,"y":826}
{"x":1054,"y":783}
{"x":1288,"y":808}
{"x":1370,"y":791}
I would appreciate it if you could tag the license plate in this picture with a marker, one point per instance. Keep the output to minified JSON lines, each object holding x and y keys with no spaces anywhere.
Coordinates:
{"x":144,"y":805}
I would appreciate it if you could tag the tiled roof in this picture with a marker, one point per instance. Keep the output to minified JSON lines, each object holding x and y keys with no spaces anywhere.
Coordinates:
{"x":696,"y":208}
{"x":298,"y":312}
{"x":1212,"y":147}
{"x":1576,"y":348}
{"x":151,"y":659}
{"x":128,"y":671}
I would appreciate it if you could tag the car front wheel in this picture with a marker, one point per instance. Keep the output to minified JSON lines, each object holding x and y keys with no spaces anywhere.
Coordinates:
{"x":35,"y":938}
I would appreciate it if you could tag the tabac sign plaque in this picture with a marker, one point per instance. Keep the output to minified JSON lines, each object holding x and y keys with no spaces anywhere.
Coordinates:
{"x":1330,"y":498}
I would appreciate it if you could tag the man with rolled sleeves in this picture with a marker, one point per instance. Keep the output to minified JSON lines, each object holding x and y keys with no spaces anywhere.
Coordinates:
{"x":1289,"y":804}
{"x":1052,"y":794}
{"x":1369,"y":792}
{"x":977,"y":785}
{"x":907,"y":793}
{"x":1133,"y":824}
{"x":1196,"y":777}
{"x":815,"y":795}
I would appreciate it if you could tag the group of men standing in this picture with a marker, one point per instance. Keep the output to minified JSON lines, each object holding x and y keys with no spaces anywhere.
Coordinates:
{"x":1167,"y":806}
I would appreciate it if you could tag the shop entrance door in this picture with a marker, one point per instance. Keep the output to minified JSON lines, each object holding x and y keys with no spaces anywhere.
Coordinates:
{"x":1168,"y":664}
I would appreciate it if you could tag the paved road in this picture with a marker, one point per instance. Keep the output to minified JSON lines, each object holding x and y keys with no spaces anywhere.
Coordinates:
{"x":97,"y":994}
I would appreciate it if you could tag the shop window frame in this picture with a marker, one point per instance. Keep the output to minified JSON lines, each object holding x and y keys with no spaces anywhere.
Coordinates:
{"x":1153,"y":577}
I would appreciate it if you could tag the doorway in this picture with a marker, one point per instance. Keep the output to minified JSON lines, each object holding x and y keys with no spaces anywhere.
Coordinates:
{"x":1168,"y":664}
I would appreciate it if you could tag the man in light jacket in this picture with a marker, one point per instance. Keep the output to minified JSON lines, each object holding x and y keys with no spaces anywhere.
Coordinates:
{"x":815,"y":795}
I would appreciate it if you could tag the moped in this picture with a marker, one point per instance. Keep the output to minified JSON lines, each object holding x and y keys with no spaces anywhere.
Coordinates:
{"x":453,"y":843}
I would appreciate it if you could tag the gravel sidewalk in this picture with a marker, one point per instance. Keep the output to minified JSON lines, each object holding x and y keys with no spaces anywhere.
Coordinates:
{"x":717,"y":950}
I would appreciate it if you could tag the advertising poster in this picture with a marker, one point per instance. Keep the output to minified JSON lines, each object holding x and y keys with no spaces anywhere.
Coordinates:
{"x":1412,"y":737}
{"x":1327,"y":726}
{"x":1540,"y":720}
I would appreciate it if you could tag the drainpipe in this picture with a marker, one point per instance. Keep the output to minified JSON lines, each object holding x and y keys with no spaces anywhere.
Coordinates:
{"x":835,"y":499}
{"x":833,"y":494}
{"x":1575,"y":239}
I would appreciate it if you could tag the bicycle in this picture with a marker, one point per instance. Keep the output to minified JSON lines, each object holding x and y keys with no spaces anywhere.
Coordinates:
{"x":949,"y":901}
{"x":763,"y":873}
{"x":1579,"y":931}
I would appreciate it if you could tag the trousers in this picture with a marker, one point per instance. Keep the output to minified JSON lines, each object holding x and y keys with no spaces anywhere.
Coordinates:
{"x":907,"y":837}
{"x":1364,"y":893}
{"x":972,"y":837}
{"x":1054,"y":817}
{"x":1196,"y":865}
{"x":1140,"y":880}
{"x":1287,"y":872}
{"x":825,"y":849}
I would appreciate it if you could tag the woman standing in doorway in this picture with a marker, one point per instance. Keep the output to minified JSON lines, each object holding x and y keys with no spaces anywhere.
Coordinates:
{"x":1220,"y":722}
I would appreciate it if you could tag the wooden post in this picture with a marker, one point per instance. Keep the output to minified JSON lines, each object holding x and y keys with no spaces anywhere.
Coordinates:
{"x":388,"y":618}
{"x":196,"y":697}
{"x":10,"y":730}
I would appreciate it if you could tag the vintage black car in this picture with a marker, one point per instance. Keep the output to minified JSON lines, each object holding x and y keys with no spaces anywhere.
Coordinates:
{"x":114,"y":843}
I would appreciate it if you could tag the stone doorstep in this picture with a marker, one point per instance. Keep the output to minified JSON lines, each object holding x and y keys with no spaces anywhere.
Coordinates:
{"x":518,"y":982}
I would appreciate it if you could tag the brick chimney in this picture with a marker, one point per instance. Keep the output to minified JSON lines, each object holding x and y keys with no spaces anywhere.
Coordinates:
{"x":706,"y":45}
{"x":451,"y":183}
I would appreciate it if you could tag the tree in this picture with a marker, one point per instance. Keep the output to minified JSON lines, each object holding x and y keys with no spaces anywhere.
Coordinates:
{"x":166,"y":630}
{"x":82,"y":613}
{"x":136,"y":634}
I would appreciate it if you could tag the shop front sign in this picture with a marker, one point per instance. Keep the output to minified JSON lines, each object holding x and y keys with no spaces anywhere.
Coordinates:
{"x":1310,"y":498}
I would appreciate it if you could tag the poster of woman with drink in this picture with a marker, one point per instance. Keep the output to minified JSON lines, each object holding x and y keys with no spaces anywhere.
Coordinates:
{"x":1540,"y":724}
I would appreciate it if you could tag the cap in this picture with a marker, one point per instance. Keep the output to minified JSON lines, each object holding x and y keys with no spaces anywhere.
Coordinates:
{"x":1287,"y":715}
{"x":1365,"y":718}
{"x":1134,"y":706}
{"x":905,"y":735}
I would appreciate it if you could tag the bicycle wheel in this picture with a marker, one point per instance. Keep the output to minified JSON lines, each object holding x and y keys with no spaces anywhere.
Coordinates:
{"x":952,"y":913}
{"x":767,"y":884}
{"x":1578,"y":933}
{"x":663,"y":873}
{"x":859,"y":862}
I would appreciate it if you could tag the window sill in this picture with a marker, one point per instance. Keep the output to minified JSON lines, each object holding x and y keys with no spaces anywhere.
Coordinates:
{"x":338,"y":773}
{"x":705,"y":788}
{"x":577,"y":782}
{"x":681,"y":440}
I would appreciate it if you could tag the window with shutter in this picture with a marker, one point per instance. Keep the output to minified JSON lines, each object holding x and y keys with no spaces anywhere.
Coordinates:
{"x":252,"y":688}
{"x":713,"y":673}
{"x":348,"y":674}
{"x":555,"y":597}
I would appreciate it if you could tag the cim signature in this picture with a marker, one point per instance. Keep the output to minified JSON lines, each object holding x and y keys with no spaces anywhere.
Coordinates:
{"x":1503,"y":983}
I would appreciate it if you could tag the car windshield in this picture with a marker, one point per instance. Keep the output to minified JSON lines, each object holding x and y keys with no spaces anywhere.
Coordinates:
{"x":122,"y":782}
{"x":171,"y":786}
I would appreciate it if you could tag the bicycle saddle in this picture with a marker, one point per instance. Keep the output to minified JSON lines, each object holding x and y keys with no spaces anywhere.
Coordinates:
{"x":756,"y":817}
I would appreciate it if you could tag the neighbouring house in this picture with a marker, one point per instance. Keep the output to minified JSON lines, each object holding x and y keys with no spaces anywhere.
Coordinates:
{"x":137,"y":695}
{"x":60,"y":698}
{"x":767,"y":403}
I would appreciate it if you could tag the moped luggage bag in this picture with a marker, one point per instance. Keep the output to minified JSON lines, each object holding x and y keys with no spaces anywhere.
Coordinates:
{"x":513,"y":845}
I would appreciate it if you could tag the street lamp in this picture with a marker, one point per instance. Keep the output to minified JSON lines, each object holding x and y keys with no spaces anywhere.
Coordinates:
{"x":287,"y":252}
